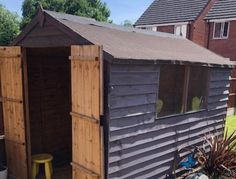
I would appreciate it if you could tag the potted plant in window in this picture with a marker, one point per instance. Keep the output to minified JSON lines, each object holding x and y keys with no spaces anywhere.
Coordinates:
{"x":3,"y":168}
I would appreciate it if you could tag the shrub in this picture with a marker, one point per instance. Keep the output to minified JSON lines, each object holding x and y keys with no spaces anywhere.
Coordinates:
{"x":220,"y":157}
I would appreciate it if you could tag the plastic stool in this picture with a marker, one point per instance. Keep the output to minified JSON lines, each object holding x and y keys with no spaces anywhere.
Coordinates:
{"x":45,"y":159}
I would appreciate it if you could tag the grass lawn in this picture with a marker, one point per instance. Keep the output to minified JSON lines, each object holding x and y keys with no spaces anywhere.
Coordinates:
{"x":230,"y":124}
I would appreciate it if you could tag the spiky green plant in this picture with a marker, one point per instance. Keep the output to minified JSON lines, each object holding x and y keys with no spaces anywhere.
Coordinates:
{"x":220,"y":156}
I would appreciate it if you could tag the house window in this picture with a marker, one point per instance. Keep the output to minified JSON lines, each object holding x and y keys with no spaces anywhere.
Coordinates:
{"x":221,"y":30}
{"x":181,"y":89}
{"x":151,"y":28}
{"x":181,"y":30}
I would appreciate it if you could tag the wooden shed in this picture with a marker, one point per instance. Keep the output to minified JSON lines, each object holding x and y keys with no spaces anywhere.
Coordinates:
{"x":111,"y":102}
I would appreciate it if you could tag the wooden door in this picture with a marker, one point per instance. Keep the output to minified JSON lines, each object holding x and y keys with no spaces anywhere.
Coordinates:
{"x":11,"y":72}
{"x":87,"y":145}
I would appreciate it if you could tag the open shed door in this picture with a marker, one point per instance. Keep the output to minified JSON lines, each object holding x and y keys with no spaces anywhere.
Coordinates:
{"x":11,"y":72}
{"x":87,"y":137}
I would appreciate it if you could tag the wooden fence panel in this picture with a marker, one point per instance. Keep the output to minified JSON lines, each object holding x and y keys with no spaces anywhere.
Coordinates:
{"x":86,"y":74}
{"x":1,"y":117}
{"x":13,"y":111}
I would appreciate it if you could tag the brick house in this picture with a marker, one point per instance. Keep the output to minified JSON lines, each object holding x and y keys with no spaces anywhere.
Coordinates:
{"x":209,"y":23}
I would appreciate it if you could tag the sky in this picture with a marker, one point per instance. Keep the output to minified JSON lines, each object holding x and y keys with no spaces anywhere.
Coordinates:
{"x":121,"y":10}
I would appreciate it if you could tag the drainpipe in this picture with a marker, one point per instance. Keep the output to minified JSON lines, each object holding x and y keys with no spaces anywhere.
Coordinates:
{"x":208,"y":34}
{"x":190,"y":30}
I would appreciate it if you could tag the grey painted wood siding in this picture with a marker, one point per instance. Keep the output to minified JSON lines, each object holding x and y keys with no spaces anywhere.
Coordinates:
{"x":141,"y":146}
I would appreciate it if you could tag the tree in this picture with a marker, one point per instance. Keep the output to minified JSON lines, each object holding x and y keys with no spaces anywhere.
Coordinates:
{"x":128,"y":23}
{"x":9,"y":26}
{"x":87,"y":8}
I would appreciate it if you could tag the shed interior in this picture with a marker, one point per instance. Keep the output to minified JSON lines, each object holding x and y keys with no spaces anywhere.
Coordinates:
{"x":49,"y":94}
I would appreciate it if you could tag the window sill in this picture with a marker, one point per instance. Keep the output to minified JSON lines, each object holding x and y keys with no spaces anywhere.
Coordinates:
{"x":219,"y":38}
{"x":181,"y":114}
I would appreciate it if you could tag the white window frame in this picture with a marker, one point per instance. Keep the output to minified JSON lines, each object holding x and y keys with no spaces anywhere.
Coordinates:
{"x":221,"y":30}
{"x":181,"y":29}
{"x":151,"y":28}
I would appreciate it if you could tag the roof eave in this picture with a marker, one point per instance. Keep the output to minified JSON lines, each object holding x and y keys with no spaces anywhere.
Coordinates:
{"x":170,"y":62}
{"x":38,"y":17}
{"x":220,"y":19}
{"x":165,"y":24}
{"x":76,"y":35}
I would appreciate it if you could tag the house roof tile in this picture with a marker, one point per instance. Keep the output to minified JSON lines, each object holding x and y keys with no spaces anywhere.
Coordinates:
{"x":171,"y":11}
{"x":223,"y":9}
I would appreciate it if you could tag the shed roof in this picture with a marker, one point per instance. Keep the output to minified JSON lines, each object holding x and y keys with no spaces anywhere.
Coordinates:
{"x":137,"y":44}
{"x":223,"y":9}
{"x":171,"y":11}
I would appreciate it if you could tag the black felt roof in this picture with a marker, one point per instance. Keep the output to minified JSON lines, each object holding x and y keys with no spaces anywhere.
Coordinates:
{"x":137,"y":44}
{"x":129,"y":43}
{"x":171,"y":11}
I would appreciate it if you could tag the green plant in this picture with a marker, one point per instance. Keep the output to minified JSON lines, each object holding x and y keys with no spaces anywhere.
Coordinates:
{"x":96,"y":9}
{"x":220,"y":156}
{"x":9,"y":26}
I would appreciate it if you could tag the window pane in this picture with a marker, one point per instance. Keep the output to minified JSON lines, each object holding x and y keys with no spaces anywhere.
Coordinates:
{"x":225,"y":30}
{"x":154,"y":28}
{"x":177,"y":30}
{"x":170,"y":90}
{"x":217,"y":30}
{"x":197,"y":89}
{"x":184,"y":31}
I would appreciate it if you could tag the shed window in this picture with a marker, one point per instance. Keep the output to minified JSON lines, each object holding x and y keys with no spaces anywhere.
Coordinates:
{"x":221,"y":30}
{"x":171,"y":90}
{"x":181,"y":89}
{"x":197,"y":89}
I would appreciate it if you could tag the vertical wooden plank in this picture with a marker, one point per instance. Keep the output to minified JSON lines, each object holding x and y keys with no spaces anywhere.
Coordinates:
{"x":26,"y":109}
{"x":101,"y":81}
{"x":1,"y":115}
{"x":208,"y":86}
{"x":87,"y":87}
{"x":13,"y":111}
{"x":102,"y":154}
{"x":185,"y":92}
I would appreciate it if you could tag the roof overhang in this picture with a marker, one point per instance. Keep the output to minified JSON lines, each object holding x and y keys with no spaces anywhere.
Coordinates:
{"x":164,"y":24}
{"x":27,"y":29}
{"x":221,"y":19}
{"x":170,"y":62}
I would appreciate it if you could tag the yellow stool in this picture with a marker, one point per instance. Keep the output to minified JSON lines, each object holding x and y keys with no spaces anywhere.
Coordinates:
{"x":45,"y":159}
